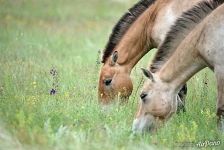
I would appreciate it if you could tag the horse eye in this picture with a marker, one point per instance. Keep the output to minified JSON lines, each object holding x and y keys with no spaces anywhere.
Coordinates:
{"x":107,"y":81}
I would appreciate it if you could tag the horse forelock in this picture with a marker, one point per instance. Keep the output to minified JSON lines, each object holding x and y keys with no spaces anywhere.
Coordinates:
{"x":181,"y":29}
{"x":123,"y":25}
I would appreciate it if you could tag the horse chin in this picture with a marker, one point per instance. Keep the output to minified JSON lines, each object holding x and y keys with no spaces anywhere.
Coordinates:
{"x":124,"y":98}
{"x":107,"y":100}
{"x":144,"y":123}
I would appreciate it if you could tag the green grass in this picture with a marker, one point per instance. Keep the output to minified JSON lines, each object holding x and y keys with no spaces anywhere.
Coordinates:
{"x":38,"y":35}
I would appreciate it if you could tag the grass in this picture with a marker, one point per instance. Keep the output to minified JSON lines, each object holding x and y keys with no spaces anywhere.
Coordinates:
{"x":65,"y":35}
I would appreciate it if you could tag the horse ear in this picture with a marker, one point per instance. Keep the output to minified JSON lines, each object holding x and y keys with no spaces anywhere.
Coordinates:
{"x":148,"y":74}
{"x":114,"y":58}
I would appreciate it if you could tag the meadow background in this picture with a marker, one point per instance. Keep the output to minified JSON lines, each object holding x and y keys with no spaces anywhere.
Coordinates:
{"x":48,"y":45}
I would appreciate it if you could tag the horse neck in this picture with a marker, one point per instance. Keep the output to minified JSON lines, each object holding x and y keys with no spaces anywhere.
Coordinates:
{"x":138,"y":39}
{"x":149,"y":30}
{"x":183,"y":64}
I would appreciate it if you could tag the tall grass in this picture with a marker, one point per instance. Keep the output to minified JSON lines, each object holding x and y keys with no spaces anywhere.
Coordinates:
{"x":66,"y":35}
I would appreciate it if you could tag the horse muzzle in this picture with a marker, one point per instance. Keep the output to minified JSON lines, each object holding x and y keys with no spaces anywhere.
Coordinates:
{"x":143,"y":124}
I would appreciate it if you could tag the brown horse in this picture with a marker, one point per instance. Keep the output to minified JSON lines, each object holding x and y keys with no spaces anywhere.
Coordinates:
{"x":142,"y":28}
{"x":203,"y":47}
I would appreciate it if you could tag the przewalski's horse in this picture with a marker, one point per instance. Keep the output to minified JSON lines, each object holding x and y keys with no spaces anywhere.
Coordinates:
{"x":203,"y":47}
{"x":142,"y":28}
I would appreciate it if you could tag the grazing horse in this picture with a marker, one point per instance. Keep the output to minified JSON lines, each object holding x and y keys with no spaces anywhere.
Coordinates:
{"x":202,"y":47}
{"x":142,"y":28}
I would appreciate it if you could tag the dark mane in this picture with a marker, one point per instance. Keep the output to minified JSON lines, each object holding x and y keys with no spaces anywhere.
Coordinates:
{"x":123,"y":25}
{"x":181,"y":29}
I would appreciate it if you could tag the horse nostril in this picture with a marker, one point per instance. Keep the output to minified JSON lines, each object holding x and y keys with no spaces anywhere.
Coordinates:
{"x":143,"y":95}
{"x":107,"y":81}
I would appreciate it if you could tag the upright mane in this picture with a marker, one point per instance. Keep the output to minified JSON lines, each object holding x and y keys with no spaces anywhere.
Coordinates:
{"x":123,"y":25}
{"x":181,"y":29}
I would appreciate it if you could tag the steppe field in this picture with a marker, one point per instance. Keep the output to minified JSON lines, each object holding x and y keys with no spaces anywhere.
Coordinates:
{"x":49,"y":67}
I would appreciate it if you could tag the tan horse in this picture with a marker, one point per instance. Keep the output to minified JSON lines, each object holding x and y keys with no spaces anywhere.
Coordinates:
{"x":203,"y":47}
{"x":142,"y":28}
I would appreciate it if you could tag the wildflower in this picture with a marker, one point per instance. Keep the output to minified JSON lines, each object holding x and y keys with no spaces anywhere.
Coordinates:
{"x":52,"y":92}
{"x":54,"y":75}
{"x":34,"y":84}
{"x":53,"y":72}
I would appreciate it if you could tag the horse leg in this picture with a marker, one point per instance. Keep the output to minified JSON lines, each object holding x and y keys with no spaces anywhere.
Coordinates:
{"x":181,"y":101}
{"x":220,"y":99}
